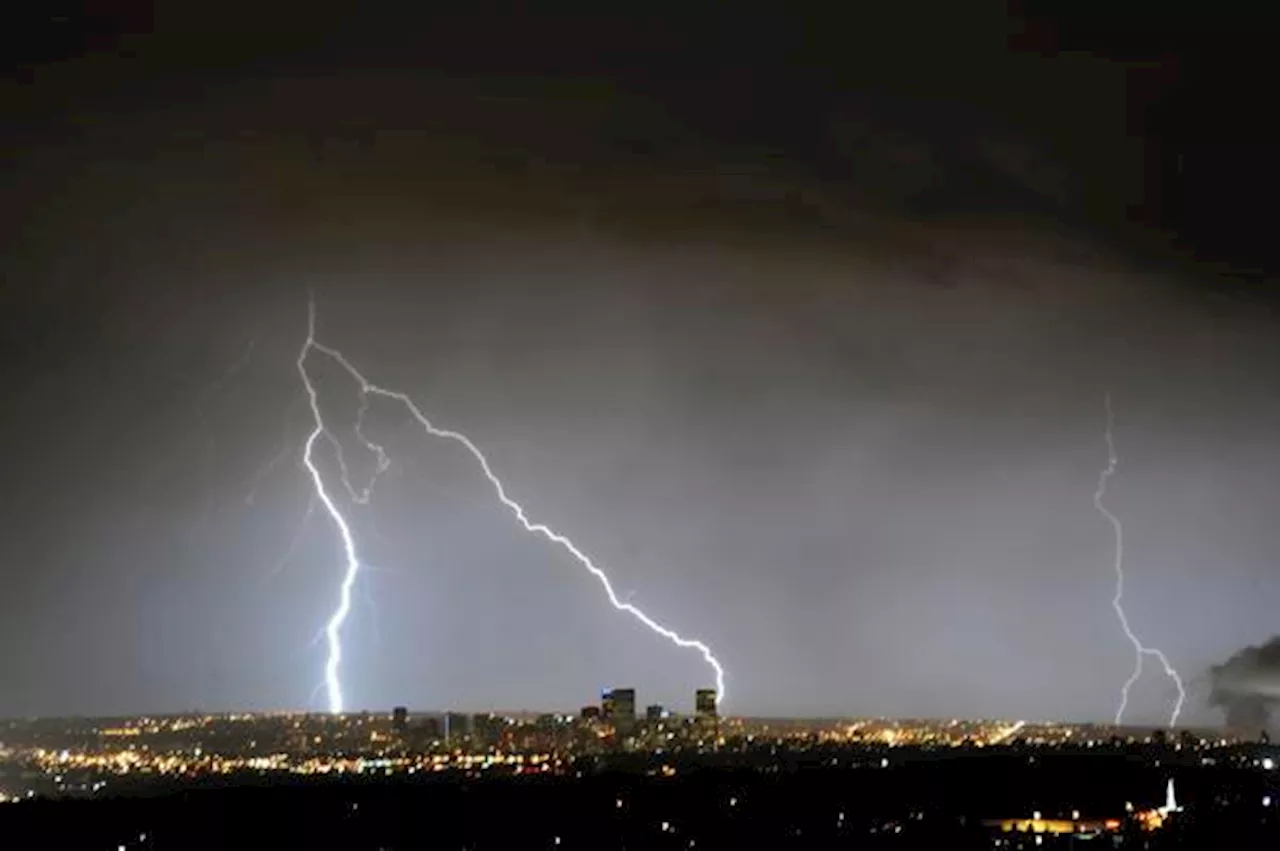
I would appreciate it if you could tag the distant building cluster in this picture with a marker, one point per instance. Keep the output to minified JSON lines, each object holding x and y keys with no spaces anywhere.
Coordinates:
{"x":87,"y":756}
{"x":1151,"y":819}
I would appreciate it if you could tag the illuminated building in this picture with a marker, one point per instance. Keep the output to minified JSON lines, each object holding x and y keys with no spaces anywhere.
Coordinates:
{"x":1148,"y":820}
{"x":1056,"y":827}
{"x":606,"y":705}
{"x":400,"y":719}
{"x":654,"y":712}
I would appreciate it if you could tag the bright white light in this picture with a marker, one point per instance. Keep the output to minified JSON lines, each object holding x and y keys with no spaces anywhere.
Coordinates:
{"x":1140,"y":650}
{"x":1268,"y":763}
{"x":334,"y":626}
{"x":1266,"y":800}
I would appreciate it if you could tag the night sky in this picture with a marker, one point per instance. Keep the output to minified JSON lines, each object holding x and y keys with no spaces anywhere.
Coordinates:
{"x":801,"y":326}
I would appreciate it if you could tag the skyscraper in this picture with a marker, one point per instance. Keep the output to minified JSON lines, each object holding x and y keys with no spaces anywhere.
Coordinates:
{"x":457,"y":726}
{"x":704,"y":711}
{"x":400,"y":719}
{"x":428,"y":730}
{"x":624,"y":709}
{"x":606,"y":705}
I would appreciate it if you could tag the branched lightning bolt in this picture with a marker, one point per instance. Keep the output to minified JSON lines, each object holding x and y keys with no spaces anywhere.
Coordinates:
{"x":334,"y":626}
{"x":361,"y":495}
{"x":1140,"y":650}
{"x":367,"y":389}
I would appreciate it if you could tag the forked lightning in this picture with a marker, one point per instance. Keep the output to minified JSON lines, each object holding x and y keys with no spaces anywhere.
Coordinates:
{"x":333,"y":628}
{"x":1140,"y":650}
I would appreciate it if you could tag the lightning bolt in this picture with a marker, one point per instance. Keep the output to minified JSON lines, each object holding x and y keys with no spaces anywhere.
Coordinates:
{"x":362,"y":495}
{"x":1141,"y":651}
{"x":333,"y":628}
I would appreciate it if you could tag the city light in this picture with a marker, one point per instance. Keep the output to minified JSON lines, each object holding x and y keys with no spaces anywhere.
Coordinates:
{"x":87,"y":758}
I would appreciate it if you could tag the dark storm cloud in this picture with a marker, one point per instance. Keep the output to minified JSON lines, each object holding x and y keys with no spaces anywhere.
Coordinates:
{"x":1247,"y":685}
{"x":818,"y":376}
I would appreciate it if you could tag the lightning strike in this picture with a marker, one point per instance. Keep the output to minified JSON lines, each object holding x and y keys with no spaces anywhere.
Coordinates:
{"x":334,"y":626}
{"x":1140,"y":650}
{"x":362,"y":495}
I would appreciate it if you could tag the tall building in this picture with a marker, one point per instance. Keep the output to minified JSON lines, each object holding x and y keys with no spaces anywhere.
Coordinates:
{"x":428,"y":730}
{"x":487,"y":728}
{"x":624,"y":709}
{"x":606,"y":705}
{"x":457,"y":726}
{"x":400,"y":719}
{"x":653,"y":712}
{"x":704,"y":703}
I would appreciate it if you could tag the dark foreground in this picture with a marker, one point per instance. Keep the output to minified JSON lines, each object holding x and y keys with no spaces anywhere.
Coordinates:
{"x":935,"y":803}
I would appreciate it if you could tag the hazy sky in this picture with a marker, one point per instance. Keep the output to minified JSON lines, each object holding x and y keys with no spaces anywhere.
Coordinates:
{"x":811,"y":359}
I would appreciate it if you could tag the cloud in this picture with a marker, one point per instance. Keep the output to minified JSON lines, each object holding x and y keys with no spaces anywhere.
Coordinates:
{"x":1247,"y":685}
